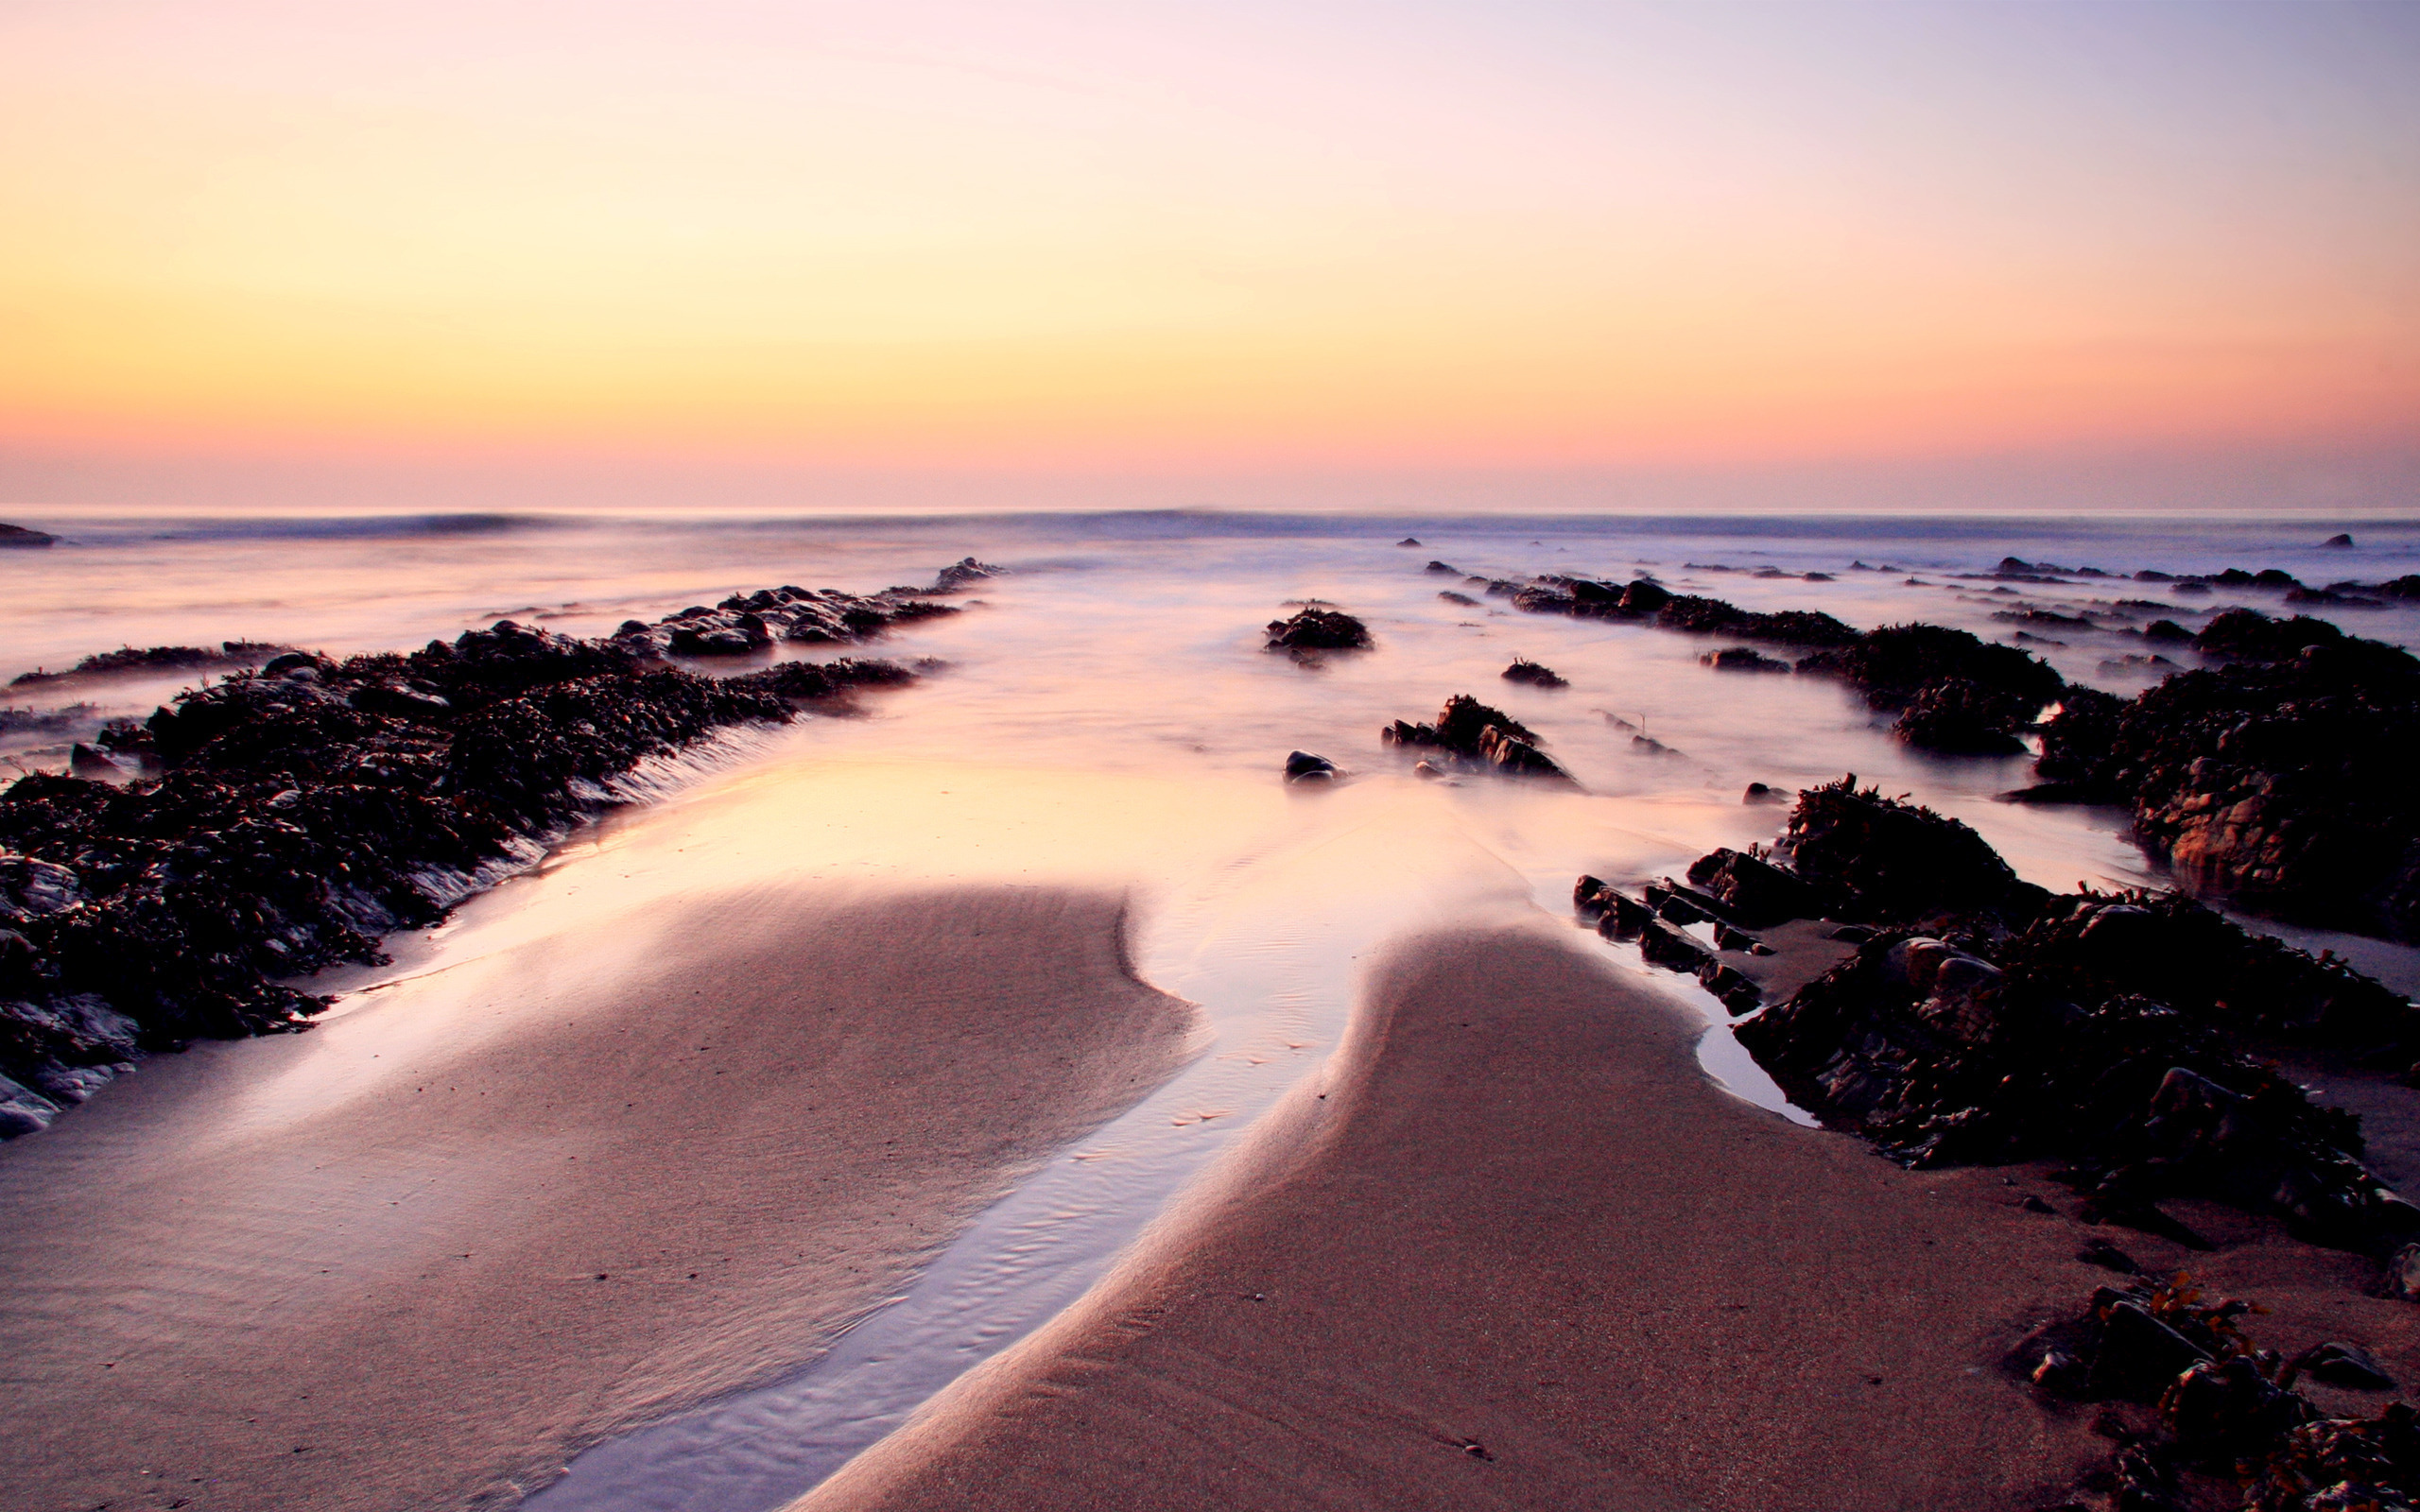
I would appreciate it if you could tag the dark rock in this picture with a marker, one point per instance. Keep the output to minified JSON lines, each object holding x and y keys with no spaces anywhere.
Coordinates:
{"x":1523,"y":670}
{"x":1958,"y":716}
{"x":1479,"y":737}
{"x":2034,"y":1204}
{"x":2093,"y":1028}
{"x":1590,"y":898}
{"x":130,"y":660}
{"x":2344,"y":542}
{"x":2101,"y":1252}
{"x":1852,"y":934}
{"x":1644,"y":597}
{"x":1741,"y":659}
{"x":84,"y":762}
{"x":1463,"y":599}
{"x":2139,"y":1356}
{"x":1753,"y":893}
{"x":2342,"y":1365}
{"x":1740,"y":995}
{"x":1301,"y":766}
{"x":2279,"y":784}
{"x":2043,"y":618}
{"x":1319,"y":627}
{"x":2217,"y":1408}
{"x":303,"y":815}
{"x":1729,"y":937}
{"x":1892,"y":665}
{"x":1442,"y":567}
{"x":965,"y":573}
{"x":1890,"y":860}
{"x":1712,"y":616}
{"x":21,"y":536}
{"x":2342,"y":1465}
{"x":1623,"y":918}
{"x":1665,"y":946}
{"x":1759,"y":793}
{"x":1408,"y":541}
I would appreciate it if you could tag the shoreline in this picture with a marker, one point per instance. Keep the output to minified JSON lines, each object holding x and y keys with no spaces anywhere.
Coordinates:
{"x":292,"y":816}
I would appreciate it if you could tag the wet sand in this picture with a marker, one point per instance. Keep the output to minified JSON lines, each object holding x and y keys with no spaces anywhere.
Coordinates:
{"x":1524,"y":1254}
{"x":413,"y":1258}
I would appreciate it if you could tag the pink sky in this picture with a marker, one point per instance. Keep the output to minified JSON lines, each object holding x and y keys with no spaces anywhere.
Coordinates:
{"x":1158,"y":254}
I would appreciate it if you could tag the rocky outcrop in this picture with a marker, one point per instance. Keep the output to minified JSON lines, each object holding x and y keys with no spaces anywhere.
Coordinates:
{"x":1955,"y":693}
{"x":156,"y":659}
{"x":746,"y":624}
{"x":2225,"y":1425}
{"x":965,"y":573}
{"x":2280,"y":781}
{"x":1319,"y":627}
{"x":1742,"y":659}
{"x":1475,"y":737}
{"x":1984,"y":1020}
{"x":311,"y":807}
{"x":20,"y":536}
{"x":1526,"y":671}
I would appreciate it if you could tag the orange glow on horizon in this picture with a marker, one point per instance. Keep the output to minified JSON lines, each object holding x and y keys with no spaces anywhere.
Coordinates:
{"x":834,"y":257}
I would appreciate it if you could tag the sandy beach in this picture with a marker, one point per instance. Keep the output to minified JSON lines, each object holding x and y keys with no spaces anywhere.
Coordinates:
{"x":1524,"y":1254}
{"x":415,"y":1256}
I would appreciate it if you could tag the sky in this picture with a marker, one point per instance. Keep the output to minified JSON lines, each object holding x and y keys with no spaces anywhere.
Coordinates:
{"x":1236,"y":252}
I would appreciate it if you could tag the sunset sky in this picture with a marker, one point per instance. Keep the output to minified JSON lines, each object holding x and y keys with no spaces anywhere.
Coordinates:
{"x":1172,"y":243}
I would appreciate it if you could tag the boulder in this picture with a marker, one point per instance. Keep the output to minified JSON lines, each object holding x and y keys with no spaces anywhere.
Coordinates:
{"x":1301,"y":766}
{"x":1319,"y":627}
{"x":1526,"y":671}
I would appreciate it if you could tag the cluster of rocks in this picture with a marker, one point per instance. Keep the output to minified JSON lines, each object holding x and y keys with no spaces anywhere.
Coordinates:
{"x":1954,"y":693}
{"x":1659,"y":921}
{"x":129,"y":659}
{"x":2349,"y":592}
{"x":308,"y":808}
{"x":2280,"y":780}
{"x":1316,"y":627}
{"x":1471,"y":736}
{"x":1980,"y":1019}
{"x":2201,"y":1415}
{"x":745,"y":623}
{"x":2275,"y":780}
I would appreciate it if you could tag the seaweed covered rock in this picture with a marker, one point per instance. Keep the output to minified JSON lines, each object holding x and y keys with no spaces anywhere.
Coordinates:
{"x":744,"y":623}
{"x":2076,"y":738}
{"x":1892,"y":665}
{"x":1742,"y":659}
{"x":965,"y":573}
{"x":1536,"y":676}
{"x":305,"y":811}
{"x":1958,"y":716}
{"x":1797,"y":627}
{"x":2229,"y":1429}
{"x":1887,"y":860}
{"x":2283,"y":785}
{"x":2253,"y":636}
{"x":2106,"y":1031}
{"x":1319,"y":627}
{"x":128,"y":659}
{"x":1473,"y":735}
